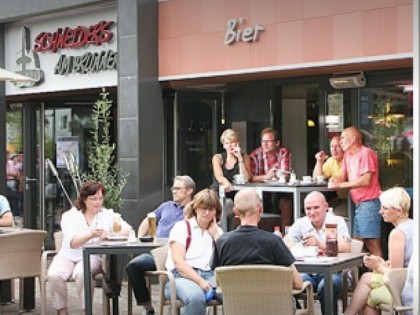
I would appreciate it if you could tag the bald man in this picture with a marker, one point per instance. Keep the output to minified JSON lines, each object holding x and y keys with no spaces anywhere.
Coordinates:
{"x":310,"y":230}
{"x":360,"y":174}
{"x":249,"y":245}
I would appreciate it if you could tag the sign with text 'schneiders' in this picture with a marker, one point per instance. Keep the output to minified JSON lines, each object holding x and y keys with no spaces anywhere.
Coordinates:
{"x":74,"y":52}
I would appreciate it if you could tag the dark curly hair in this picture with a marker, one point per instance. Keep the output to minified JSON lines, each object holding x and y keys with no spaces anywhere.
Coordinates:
{"x":89,"y":188}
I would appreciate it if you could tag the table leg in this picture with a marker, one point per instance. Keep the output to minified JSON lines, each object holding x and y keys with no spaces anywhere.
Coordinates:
{"x":222,"y":197}
{"x":328,"y":293}
{"x":113,"y":274}
{"x":28,"y":294}
{"x":6,"y":291}
{"x":296,"y":205}
{"x":87,"y":282}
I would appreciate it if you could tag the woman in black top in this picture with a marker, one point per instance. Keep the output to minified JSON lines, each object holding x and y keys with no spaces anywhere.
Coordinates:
{"x":229,"y":163}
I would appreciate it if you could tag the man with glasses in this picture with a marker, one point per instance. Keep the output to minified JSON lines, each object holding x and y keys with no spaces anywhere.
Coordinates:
{"x":266,"y":161}
{"x":167,"y":214}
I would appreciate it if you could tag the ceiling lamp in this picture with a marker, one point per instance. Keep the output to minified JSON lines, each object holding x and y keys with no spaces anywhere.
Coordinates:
{"x":347,"y":80}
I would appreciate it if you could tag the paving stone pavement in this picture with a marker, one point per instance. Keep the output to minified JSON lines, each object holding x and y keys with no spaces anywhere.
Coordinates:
{"x":75,"y":309}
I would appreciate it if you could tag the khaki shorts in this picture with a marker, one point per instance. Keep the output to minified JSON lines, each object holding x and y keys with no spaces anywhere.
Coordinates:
{"x":379,"y":293}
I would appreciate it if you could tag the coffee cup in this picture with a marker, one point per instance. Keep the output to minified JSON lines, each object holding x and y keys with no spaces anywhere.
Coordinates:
{"x":320,"y":179}
{"x":239,"y":178}
{"x":151,"y":217}
{"x":306,"y":179}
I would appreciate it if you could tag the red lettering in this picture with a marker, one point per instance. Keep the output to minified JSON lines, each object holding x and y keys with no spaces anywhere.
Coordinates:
{"x":75,"y":38}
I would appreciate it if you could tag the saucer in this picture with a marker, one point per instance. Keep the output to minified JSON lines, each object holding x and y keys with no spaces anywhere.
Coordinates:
{"x":306,"y":183}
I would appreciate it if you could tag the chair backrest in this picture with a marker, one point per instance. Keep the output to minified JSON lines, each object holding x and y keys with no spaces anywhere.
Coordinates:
{"x":159,"y":256}
{"x":256,"y":289}
{"x":20,"y":254}
{"x":356,"y":246}
{"x":394,"y":281}
{"x":58,"y":240}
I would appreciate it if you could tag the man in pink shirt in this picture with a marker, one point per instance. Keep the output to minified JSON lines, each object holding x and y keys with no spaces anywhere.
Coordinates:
{"x":360,"y":174}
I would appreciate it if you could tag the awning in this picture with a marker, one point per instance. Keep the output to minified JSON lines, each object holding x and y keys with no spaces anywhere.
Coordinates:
{"x":6,"y":75}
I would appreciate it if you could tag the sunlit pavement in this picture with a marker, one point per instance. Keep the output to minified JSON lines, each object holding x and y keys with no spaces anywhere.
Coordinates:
{"x":75,"y":309}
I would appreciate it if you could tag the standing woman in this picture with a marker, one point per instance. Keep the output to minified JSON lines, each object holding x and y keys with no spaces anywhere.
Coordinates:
{"x":190,"y":262}
{"x":371,"y":291}
{"x":85,"y":223}
{"x":229,"y":163}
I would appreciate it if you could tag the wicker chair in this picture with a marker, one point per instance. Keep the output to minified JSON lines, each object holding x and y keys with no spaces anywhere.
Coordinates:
{"x":260,"y":289}
{"x":47,"y":256}
{"x":20,"y":256}
{"x":394,"y":281}
{"x":159,"y":255}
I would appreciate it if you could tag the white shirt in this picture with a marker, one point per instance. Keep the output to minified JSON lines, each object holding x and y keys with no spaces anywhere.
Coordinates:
{"x":73,"y":222}
{"x":303,"y":227}
{"x":200,"y":250}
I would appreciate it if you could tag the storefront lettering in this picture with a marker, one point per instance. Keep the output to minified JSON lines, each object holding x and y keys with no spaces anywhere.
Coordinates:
{"x":89,"y":62}
{"x":74,"y":38}
{"x":234,"y":34}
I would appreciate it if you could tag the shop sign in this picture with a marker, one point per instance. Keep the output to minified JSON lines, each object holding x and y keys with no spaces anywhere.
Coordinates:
{"x":64,"y":51}
{"x":234,"y":33}
{"x":78,"y":38}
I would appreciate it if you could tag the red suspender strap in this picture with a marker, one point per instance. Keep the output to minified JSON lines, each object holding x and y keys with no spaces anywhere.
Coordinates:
{"x":187,"y":245}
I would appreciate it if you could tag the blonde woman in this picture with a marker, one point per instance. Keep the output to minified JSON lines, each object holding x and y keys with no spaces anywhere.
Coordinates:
{"x":371,"y":291}
{"x":229,"y":163}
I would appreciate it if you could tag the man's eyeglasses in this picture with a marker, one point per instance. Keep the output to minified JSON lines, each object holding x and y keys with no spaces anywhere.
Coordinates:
{"x":268,"y":141}
{"x":177,"y":188}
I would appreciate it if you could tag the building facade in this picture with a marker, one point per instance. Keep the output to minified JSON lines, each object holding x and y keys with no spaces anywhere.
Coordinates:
{"x":187,"y":69}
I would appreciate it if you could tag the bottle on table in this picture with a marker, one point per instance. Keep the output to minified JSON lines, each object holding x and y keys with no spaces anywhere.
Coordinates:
{"x":292,"y":177}
{"x":331,"y":234}
{"x":277,"y":231}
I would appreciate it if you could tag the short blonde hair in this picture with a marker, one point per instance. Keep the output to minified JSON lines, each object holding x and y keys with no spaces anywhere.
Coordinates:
{"x":396,"y":198}
{"x":230,"y":135}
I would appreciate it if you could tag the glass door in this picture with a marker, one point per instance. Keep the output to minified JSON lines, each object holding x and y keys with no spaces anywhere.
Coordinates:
{"x":55,"y":138}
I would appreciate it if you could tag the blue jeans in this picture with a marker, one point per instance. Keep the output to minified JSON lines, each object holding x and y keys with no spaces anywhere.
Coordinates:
{"x":136,"y":269}
{"x":367,"y":219}
{"x":190,"y":293}
{"x":317,"y":281}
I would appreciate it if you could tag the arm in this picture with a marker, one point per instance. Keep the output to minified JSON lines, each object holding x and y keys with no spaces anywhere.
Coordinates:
{"x":245,"y":167}
{"x":178,"y":255}
{"x":297,"y":279}
{"x":339,"y":183}
{"x":82,"y":238}
{"x":6,"y":219}
{"x":320,"y":160}
{"x":143,"y":228}
{"x":218,"y":172}
{"x":396,"y":246}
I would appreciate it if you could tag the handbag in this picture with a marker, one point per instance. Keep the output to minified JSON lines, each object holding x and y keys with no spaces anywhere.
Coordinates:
{"x":111,"y":287}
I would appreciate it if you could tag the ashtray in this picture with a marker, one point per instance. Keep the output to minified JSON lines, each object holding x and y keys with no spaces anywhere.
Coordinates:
{"x":146,"y":239}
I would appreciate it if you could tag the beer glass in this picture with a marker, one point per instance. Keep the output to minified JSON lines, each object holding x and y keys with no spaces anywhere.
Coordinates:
{"x":151,"y":217}
{"x":116,"y":224}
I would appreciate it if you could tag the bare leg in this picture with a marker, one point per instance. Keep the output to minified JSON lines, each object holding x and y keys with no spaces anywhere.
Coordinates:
{"x":360,"y":294}
{"x":367,"y":310}
{"x":373,"y":245}
{"x":63,"y":311}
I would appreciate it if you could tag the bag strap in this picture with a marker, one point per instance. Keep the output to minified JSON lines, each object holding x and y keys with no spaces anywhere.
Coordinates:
{"x":188,"y":242}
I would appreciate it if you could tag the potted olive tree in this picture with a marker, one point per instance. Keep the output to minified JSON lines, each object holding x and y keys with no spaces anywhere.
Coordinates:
{"x":102,"y":166}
